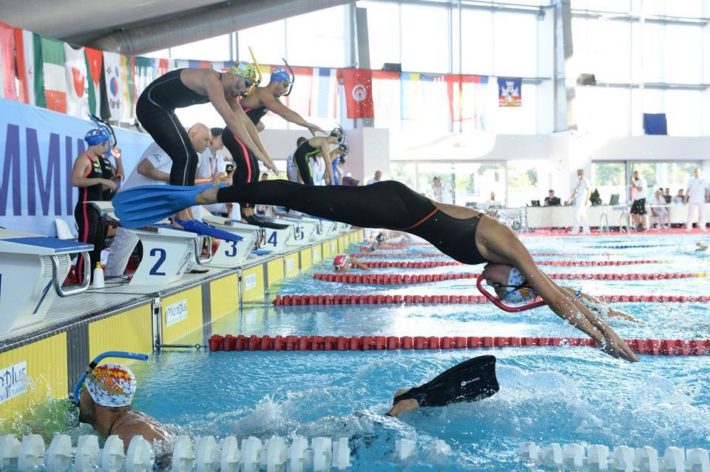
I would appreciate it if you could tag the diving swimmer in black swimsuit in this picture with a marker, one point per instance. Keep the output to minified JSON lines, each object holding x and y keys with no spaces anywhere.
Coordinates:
{"x":464,"y":234}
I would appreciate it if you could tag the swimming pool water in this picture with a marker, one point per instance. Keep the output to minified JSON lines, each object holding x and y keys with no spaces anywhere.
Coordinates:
{"x":547,"y":394}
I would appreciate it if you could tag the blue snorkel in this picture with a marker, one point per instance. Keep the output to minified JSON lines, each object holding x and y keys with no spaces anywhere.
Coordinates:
{"x":292,"y":78}
{"x":92,"y":365}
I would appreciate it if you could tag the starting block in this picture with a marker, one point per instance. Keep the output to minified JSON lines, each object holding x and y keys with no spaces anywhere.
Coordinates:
{"x":167,"y":252}
{"x":231,"y":254}
{"x":306,"y":229}
{"x":30,"y":266}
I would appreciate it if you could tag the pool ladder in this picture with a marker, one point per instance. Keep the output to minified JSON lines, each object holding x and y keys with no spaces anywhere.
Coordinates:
{"x":604,"y":223}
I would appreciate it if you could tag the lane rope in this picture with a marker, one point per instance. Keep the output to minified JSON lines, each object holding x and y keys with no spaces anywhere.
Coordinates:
{"x":407,"y":279}
{"x":658,"y":347}
{"x":345,"y":299}
{"x":430,"y":264}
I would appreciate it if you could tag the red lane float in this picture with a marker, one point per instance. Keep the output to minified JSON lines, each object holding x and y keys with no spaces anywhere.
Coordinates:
{"x":431,"y":264}
{"x":597,"y":263}
{"x":404,"y":255}
{"x":410,"y":264}
{"x":407,"y":279}
{"x":305,"y":300}
{"x":663,"y":347}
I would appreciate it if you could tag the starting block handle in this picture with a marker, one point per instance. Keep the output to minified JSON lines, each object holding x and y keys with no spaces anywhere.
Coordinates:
{"x":198,"y":251}
{"x":57,"y":278}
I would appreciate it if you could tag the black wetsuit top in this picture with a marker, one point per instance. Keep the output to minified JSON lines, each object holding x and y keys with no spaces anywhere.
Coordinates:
{"x":155,"y":110}
{"x":100,"y":169}
{"x":256,"y":114}
{"x":170,"y":93}
{"x":390,"y":205}
{"x":469,"y":381}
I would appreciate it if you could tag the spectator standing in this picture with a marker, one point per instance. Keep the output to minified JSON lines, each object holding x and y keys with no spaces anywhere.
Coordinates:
{"x":638,"y":198}
{"x":580,"y":195}
{"x":696,"y":189}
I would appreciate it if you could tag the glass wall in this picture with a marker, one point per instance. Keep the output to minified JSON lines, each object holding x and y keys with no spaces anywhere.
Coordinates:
{"x":647,"y":56}
{"x":615,"y":177}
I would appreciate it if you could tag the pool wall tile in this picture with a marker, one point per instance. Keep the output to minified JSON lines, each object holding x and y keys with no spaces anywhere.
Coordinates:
{"x":224,"y":296}
{"x":131,"y":330}
{"x":32,"y":374}
{"x":253,"y":287}
{"x":306,"y":258}
{"x":181,"y":314}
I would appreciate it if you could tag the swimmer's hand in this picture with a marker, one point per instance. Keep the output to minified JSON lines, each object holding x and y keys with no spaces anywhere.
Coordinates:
{"x":613,"y":345}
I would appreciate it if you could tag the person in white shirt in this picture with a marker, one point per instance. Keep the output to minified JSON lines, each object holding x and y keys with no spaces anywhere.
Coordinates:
{"x":580,"y":195}
{"x":638,"y":197}
{"x":153,"y":169}
{"x":492,"y":206}
{"x":377,"y":178}
{"x":659,"y":209}
{"x":440,"y":191}
{"x":318,"y":171}
{"x":696,"y":189}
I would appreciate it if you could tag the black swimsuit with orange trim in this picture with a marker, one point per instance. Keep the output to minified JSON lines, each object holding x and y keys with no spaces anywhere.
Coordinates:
{"x":389,"y":205}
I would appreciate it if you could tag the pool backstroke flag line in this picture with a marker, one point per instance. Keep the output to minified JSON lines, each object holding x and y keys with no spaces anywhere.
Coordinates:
{"x":510,"y":92}
{"x":357,"y":84}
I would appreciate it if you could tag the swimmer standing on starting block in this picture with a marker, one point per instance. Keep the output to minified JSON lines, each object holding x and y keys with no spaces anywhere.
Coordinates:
{"x":464,"y":234}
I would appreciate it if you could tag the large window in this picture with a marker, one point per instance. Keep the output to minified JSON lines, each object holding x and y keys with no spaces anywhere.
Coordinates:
{"x":425,"y":38}
{"x":614,"y":177}
{"x":609,"y":178}
{"x":384,"y":36}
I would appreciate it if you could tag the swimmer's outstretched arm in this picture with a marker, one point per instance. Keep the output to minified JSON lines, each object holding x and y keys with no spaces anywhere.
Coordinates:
{"x":498,"y":244}
{"x":357,"y":263}
{"x":595,"y":301}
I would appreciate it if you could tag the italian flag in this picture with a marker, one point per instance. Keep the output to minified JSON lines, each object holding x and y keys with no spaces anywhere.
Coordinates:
{"x":53,"y":74}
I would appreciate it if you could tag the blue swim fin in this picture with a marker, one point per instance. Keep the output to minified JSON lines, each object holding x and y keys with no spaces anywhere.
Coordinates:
{"x":203,"y":229}
{"x":148,"y":204}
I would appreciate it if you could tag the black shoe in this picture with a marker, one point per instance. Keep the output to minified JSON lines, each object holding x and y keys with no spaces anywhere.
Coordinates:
{"x":258,"y":221}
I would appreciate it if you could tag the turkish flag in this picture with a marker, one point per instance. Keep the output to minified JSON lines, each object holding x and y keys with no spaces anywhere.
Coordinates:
{"x":357,"y":84}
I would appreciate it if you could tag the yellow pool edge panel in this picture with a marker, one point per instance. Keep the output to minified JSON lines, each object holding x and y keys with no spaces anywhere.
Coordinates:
{"x":45,"y":367}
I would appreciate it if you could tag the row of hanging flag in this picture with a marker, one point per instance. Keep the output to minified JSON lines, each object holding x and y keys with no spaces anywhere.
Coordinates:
{"x":80,"y":80}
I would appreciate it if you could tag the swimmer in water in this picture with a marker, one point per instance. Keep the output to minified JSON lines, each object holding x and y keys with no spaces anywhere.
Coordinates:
{"x":105,"y":403}
{"x":470,"y":381}
{"x":344,"y":262}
